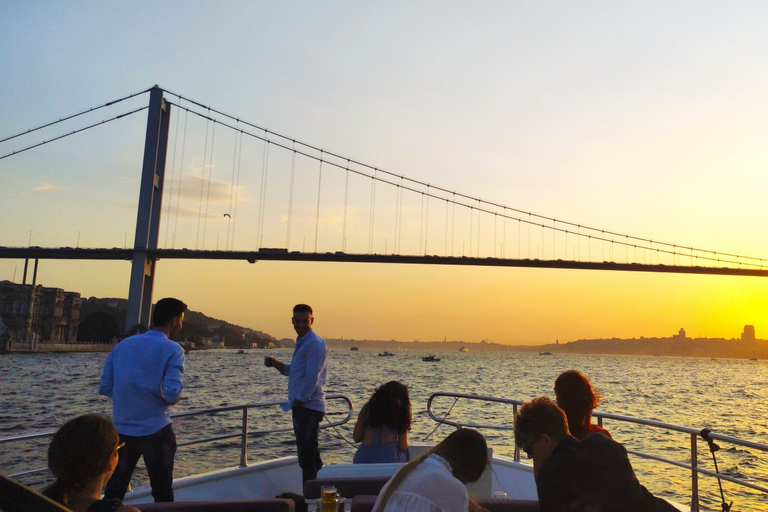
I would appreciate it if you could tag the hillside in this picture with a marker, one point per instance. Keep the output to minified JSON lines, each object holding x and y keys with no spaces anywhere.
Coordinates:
{"x":102,"y":319}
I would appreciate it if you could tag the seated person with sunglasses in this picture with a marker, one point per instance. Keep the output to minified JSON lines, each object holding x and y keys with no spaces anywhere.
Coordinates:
{"x":82,"y":456}
{"x":571,"y":475}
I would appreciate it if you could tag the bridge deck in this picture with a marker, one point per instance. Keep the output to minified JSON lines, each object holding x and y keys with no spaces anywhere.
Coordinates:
{"x":283,"y":255}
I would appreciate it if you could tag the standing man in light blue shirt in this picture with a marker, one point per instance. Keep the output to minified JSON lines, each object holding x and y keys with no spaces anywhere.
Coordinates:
{"x":143,"y":376}
{"x":306,"y":399}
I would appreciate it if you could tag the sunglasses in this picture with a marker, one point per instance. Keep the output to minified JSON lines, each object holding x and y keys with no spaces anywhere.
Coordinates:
{"x":529,"y":447}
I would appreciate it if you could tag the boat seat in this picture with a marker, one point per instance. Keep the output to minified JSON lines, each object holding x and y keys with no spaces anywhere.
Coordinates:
{"x":258,"y":505}
{"x":347,"y":487}
{"x":364,"y":503}
{"x":17,"y":497}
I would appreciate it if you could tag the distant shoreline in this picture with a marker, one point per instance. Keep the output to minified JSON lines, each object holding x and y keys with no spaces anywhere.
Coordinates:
{"x":667,"y":347}
{"x":653,"y":347}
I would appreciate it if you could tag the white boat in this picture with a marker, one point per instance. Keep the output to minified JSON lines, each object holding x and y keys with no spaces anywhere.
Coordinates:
{"x":243,"y":480}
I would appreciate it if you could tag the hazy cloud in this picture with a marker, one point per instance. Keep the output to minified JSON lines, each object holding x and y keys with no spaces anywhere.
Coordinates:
{"x":43,"y":186}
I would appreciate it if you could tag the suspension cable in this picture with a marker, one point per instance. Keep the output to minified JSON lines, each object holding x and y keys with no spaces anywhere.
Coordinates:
{"x":120,"y":116}
{"x":67,"y":118}
{"x":602,"y":235}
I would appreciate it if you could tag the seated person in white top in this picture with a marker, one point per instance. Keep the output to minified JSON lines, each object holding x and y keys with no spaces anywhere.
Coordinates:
{"x":435,"y":481}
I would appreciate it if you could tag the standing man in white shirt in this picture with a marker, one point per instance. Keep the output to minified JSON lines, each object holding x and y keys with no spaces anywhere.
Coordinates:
{"x":143,"y":376}
{"x":306,"y":399}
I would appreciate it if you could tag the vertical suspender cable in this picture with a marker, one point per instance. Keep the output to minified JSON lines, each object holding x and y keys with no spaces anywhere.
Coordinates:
{"x":237,"y":190}
{"x":263,"y":191}
{"x":290,"y":198}
{"x":346,"y":200}
{"x":397,"y":216}
{"x":400,"y":215}
{"x":170,"y":188}
{"x":471,"y":229}
{"x":373,"y":209}
{"x":421,"y":223}
{"x":232,"y":188}
{"x":479,"y":213}
{"x":426,"y":223}
{"x":319,"y":184}
{"x":208,"y":186}
{"x":202,"y":186}
{"x":453,"y":223}
{"x":447,"y":214}
{"x":181,"y":172}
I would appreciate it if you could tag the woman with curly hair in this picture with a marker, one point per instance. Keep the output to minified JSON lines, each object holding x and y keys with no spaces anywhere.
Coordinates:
{"x":383,"y":424}
{"x":576,"y":397}
{"x":82,"y":456}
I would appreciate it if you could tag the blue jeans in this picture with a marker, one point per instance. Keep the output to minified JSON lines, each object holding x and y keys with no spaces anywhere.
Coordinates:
{"x":306,"y":425}
{"x":158,"y":450}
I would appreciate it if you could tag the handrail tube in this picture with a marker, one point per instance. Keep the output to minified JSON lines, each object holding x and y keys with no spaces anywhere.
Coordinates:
{"x":694,"y":433}
{"x":244,"y":434}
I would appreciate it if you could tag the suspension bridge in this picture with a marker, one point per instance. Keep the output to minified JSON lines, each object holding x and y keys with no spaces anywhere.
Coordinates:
{"x":277,"y":198}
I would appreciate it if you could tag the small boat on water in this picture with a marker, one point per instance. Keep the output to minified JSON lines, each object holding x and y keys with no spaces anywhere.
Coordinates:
{"x":241,"y":351}
{"x":545,"y":353}
{"x":354,"y":349}
{"x":430,"y":358}
{"x":386,"y":354}
{"x":463,"y":349}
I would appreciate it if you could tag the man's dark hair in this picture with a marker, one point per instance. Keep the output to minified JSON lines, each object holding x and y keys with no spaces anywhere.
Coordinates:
{"x":166,"y":310}
{"x":540,"y":416}
{"x":302,"y":308}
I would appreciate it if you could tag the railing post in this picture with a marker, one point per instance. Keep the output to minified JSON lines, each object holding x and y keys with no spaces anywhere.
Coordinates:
{"x":517,"y":448}
{"x":244,"y":440}
{"x":694,"y":475}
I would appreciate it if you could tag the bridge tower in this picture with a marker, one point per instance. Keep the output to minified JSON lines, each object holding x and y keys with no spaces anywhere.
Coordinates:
{"x":148,"y":215}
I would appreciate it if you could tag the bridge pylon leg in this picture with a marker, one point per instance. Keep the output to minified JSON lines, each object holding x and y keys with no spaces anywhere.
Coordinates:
{"x":148,"y":215}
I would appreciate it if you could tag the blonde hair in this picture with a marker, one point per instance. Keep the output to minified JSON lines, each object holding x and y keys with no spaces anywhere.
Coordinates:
{"x":466,"y":452}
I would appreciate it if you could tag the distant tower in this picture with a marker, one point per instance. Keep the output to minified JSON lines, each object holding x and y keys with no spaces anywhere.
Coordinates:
{"x":681,"y":334}
{"x":749,"y":333}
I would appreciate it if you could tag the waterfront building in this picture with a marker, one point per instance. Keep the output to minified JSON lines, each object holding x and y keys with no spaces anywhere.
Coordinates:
{"x":34,"y":313}
{"x":749,"y":333}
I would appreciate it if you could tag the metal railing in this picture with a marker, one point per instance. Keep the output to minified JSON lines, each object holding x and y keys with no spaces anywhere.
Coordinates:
{"x":243,"y":434}
{"x":694,"y":434}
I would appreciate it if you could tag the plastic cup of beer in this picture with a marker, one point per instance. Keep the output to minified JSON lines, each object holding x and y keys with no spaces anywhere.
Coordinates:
{"x":329,"y":498}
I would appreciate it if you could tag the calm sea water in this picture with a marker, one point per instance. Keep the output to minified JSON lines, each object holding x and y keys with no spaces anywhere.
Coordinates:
{"x":41,"y":391}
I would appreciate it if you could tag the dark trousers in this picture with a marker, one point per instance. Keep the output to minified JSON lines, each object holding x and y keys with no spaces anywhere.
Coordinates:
{"x":158,"y":450}
{"x":306,"y":425}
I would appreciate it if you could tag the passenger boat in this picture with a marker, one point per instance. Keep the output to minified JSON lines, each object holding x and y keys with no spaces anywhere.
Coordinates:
{"x":430,"y":358}
{"x":386,"y":354}
{"x":266,"y":479}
